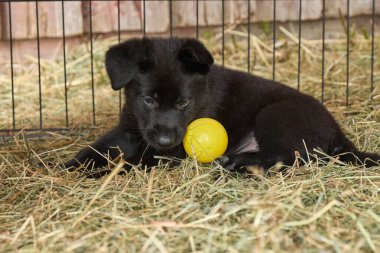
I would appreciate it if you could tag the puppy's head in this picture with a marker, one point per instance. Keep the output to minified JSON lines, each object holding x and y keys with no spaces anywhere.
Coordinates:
{"x":166,"y":79}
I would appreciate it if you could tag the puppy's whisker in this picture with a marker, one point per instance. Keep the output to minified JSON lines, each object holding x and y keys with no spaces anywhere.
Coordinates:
{"x":142,"y":155}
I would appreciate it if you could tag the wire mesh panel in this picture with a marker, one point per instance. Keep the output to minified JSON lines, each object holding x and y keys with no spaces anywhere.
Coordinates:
{"x":323,"y":48}
{"x":274,"y":39}
{"x":372,"y":47}
{"x":265,"y":46}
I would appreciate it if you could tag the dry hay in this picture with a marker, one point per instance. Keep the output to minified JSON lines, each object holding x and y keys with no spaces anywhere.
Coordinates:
{"x":320,"y":207}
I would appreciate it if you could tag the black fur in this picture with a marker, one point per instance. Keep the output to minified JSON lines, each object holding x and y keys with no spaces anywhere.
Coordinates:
{"x":170,"y":82}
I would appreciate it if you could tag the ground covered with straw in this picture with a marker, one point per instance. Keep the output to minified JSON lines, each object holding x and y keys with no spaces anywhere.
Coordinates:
{"x":321,"y":207}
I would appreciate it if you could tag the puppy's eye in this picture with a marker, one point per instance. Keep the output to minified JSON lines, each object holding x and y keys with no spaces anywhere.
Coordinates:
{"x":182,"y":103}
{"x":149,"y":101}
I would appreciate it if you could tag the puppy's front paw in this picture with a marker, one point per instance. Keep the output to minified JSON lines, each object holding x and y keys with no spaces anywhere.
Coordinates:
{"x":72,"y":165}
{"x":229,"y":162}
{"x":222,"y":160}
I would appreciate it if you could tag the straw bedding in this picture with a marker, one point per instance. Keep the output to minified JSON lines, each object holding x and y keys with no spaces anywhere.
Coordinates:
{"x":192,"y":208}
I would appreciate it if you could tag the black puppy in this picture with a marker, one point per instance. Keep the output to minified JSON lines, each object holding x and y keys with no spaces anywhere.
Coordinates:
{"x":170,"y":82}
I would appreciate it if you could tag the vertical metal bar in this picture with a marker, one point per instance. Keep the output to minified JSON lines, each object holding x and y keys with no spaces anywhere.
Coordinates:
{"x":323,"y":50}
{"x":274,"y":41}
{"x":372,"y":46}
{"x":249,"y":36}
{"x":119,"y":39}
{"x":39,"y":64}
{"x":92,"y":68}
{"x":118,"y":21}
{"x":64,"y":61}
{"x":299,"y":44}
{"x":12,"y":74}
{"x":223,"y":32}
{"x":348,"y":52}
{"x":171,"y":17}
{"x":144,"y":14}
{"x":197,"y":17}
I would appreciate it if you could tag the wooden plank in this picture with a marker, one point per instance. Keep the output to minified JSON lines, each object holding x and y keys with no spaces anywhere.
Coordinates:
{"x":184,"y":12}
{"x":2,"y":19}
{"x":157,"y":16}
{"x":311,"y":9}
{"x":287,"y":10}
{"x":211,"y":13}
{"x":73,"y":18}
{"x":50,"y":19}
{"x":22,"y":20}
{"x":362,"y":7}
{"x":105,"y":16}
{"x":130,"y":16}
{"x":181,"y":7}
{"x":237,"y":11}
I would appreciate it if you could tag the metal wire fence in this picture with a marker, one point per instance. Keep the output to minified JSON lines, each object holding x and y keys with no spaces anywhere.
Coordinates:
{"x":197,"y":35}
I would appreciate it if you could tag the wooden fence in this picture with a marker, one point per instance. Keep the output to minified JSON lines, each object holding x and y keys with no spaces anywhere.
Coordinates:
{"x":157,"y":16}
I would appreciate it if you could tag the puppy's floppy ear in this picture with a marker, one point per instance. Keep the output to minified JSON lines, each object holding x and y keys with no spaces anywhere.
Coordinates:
{"x":123,"y":61}
{"x":194,"y":56}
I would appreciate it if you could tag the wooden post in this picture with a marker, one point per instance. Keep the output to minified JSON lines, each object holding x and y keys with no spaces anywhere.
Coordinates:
{"x":50,"y":19}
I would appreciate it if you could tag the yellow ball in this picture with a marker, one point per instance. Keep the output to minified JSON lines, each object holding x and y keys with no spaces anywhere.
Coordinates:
{"x":205,"y":140}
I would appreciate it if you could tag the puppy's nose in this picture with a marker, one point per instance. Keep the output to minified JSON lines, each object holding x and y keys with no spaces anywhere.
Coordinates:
{"x":165,"y":140}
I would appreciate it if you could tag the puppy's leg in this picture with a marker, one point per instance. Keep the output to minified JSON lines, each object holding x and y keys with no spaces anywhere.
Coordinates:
{"x":262,"y":159}
{"x":299,"y":124}
{"x":110,"y":145}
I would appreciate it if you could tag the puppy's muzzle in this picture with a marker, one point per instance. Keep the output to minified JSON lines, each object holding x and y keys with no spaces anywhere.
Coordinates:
{"x":166,"y":140}
{"x":165,"y":137}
